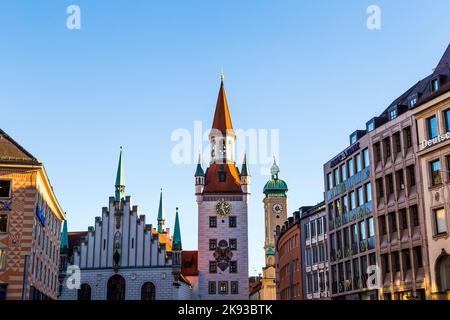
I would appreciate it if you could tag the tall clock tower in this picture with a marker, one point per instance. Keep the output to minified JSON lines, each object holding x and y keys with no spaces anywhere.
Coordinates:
{"x":222,"y":194}
{"x":275,"y":213}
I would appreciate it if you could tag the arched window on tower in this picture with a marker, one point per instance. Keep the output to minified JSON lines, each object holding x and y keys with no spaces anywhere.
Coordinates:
{"x":148,"y":291}
{"x":84,"y":293}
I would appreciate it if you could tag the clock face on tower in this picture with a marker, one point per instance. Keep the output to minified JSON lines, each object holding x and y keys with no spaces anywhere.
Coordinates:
{"x":277,"y":208}
{"x":223,"y":208}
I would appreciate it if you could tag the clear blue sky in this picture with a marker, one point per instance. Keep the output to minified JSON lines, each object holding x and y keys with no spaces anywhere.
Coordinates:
{"x":138,"y":70}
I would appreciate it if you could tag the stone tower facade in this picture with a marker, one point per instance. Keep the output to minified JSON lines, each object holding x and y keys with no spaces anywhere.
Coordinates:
{"x":275,"y":214}
{"x":222,"y":194}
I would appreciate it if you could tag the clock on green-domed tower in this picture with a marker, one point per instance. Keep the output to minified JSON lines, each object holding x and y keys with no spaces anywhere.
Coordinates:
{"x":275,"y":210}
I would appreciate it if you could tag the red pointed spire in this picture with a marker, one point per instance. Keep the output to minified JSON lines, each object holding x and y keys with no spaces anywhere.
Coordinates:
{"x":222,"y":119}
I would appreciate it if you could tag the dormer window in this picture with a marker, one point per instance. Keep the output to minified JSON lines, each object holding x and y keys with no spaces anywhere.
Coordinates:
{"x":370,"y":125}
{"x":222,"y":174}
{"x":435,"y":85}
{"x":353,"y":138}
{"x":412,"y":100}
{"x":393,"y":114}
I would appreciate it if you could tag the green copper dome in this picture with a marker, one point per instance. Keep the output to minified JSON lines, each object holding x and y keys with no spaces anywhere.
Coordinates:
{"x":275,"y":186}
{"x":270,"y":251}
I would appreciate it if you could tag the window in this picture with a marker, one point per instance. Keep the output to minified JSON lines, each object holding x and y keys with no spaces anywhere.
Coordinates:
{"x":314,"y":255}
{"x":353,"y":138}
{"x":222,"y":175}
{"x":389,"y":184}
{"x":366,"y":158}
{"x":397,"y":143}
{"x":358,"y":162}
{"x":233,"y":244}
{"x":432,"y":127}
{"x":351,"y":168}
{"x":233,"y":267}
{"x":352,"y":200}
{"x":211,"y":287}
{"x":212,"y":267}
{"x":355,"y":234}
{"x":321,"y":253}
{"x":411,"y":176}
{"x":213,"y":222}
{"x":344,"y":172}
{"x":371,"y":227}
{"x":234,"y":287}
{"x":308,"y":256}
{"x":400,"y":180}
{"x":360,"y":196}
{"x":447,"y":167}
{"x":313,"y":228}
{"x":362,"y":230}
{"x":319,"y":227}
{"x":440,"y":223}
{"x":435,"y":170}
{"x":396,"y":261}
{"x":386,"y":266}
{"x":368,"y":189}
{"x":3,"y":223}
{"x":408,"y":138}
{"x":329,"y":181}
{"x":370,"y":126}
{"x":393,"y":114}
{"x":414,"y":215}
{"x":336,"y":176}
{"x":306,"y":227}
{"x":345,"y":204}
{"x":223,"y":287}
{"x":232,"y":223}
{"x":447,"y":120}
{"x":418,"y":257}
{"x":435,"y":85}
{"x":392,"y":222}
{"x":377,"y":152}
{"x":412,"y":101}
{"x":404,"y":219}
{"x":380,"y":188}
{"x":406,"y":259}
{"x":5,"y":188}
{"x":212,"y":244}
{"x":387,"y":148}
{"x":148,"y":291}
{"x":2,"y":259}
{"x":84,"y":293}
{"x":309,"y":283}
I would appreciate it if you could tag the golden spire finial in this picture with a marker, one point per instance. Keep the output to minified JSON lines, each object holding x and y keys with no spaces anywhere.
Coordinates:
{"x":221,"y":75}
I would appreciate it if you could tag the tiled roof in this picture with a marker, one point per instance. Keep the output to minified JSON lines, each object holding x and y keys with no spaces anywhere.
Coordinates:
{"x":232,"y":182}
{"x":222,"y":119}
{"x":12,"y":152}
{"x":75,"y":240}
{"x":423,"y":88}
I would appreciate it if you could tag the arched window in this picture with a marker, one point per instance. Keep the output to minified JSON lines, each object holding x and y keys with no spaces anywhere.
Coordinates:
{"x":443,"y":273}
{"x":116,"y":288}
{"x":84,"y":293}
{"x":148,"y":291}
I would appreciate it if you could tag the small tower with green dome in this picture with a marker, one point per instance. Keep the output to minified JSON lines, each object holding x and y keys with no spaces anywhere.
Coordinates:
{"x":275,"y":213}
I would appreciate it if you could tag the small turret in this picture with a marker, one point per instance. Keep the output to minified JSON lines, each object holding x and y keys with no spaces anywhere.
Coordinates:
{"x":161,"y":218}
{"x":176,"y":249}
{"x":245,"y":176}
{"x":199,"y":178}
{"x":120,"y":181}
